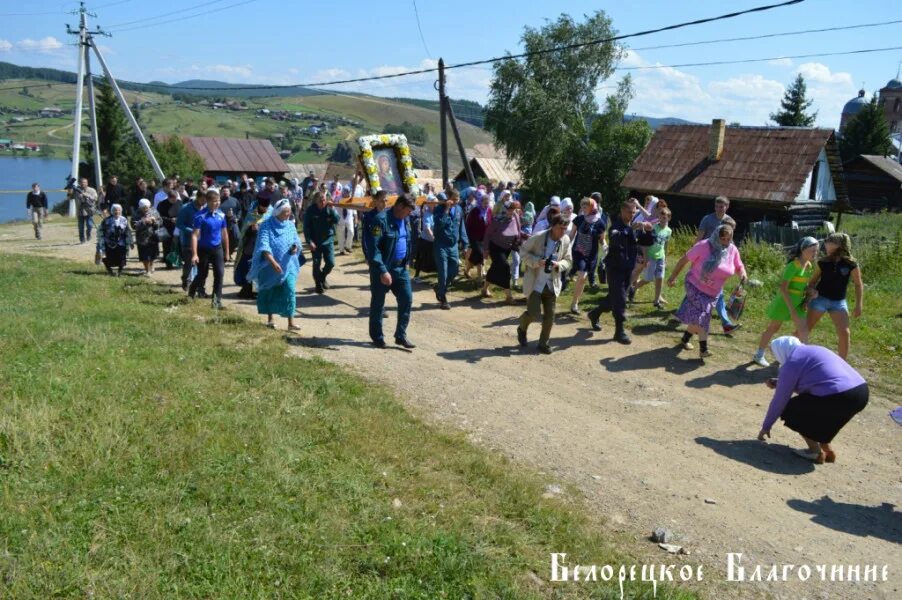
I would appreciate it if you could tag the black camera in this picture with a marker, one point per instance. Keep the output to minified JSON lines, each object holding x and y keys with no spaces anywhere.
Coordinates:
{"x":548,"y":265}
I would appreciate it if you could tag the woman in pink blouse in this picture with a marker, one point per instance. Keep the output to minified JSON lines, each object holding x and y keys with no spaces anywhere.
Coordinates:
{"x":713,"y":260}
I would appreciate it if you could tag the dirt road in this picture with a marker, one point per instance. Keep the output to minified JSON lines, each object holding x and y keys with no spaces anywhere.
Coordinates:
{"x":646,"y":433}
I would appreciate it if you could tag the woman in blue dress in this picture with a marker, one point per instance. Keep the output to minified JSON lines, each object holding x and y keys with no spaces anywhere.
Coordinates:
{"x":275,"y":265}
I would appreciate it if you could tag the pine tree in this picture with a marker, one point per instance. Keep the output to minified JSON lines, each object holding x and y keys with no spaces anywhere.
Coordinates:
{"x":794,"y":105}
{"x":866,"y":133}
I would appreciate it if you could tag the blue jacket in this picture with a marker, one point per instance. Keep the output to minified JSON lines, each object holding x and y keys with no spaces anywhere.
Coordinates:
{"x":448,"y":226}
{"x":185,"y":222}
{"x":380,"y":235}
{"x":623,"y":246}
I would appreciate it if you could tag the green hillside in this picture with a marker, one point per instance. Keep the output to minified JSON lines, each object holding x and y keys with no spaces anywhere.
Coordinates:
{"x":164,"y":115}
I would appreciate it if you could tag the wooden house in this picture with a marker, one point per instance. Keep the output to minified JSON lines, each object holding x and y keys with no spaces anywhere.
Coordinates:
{"x":785,"y":175}
{"x":874,"y":183}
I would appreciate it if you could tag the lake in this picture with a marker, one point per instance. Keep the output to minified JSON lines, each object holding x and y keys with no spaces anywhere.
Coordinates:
{"x":16,"y":176}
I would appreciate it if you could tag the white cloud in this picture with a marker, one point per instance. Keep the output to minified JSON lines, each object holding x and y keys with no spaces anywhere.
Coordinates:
{"x":43,"y":45}
{"x":820,"y":73}
{"x":748,"y":98}
{"x":780,"y":62}
{"x":5,"y":46}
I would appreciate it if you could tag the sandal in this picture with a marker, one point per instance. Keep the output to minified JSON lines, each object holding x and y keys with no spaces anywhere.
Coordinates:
{"x":829,"y":456}
{"x":813,"y":455}
{"x":293,"y":328}
{"x":271,"y":325}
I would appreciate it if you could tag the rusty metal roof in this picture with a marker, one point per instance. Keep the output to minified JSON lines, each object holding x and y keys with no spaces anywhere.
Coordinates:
{"x":237,"y":155}
{"x":758,"y":163}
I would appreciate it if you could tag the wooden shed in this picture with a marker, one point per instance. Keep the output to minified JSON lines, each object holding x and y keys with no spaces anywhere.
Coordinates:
{"x":227,"y":158}
{"x":874,"y":182}
{"x":779,"y":174}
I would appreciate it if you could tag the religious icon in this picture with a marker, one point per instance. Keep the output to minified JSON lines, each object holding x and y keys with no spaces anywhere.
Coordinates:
{"x":387,"y":167}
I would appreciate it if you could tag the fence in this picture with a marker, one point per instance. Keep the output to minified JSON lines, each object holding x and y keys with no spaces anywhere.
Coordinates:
{"x":785,"y":235}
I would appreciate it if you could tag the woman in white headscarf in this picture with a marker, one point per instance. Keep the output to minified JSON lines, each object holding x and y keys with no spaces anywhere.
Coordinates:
{"x":541,"y":222}
{"x":146,"y":222}
{"x":114,"y":240}
{"x":828,"y":394}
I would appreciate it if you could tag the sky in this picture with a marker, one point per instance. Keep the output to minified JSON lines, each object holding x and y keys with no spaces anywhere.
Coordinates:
{"x":302,"y":41}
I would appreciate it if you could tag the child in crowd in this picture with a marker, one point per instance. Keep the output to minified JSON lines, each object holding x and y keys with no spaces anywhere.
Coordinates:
{"x":831,"y":280}
{"x":654,"y":269}
{"x":789,"y":303}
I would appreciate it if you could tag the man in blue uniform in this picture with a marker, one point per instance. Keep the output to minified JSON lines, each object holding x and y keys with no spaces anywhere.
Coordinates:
{"x":623,"y":248}
{"x":387,"y":248}
{"x":449,"y":231}
{"x":320,"y":220}
{"x":209,"y":247}
{"x":367,"y":221}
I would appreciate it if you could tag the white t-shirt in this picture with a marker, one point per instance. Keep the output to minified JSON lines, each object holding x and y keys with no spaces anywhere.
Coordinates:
{"x":543,"y":278}
{"x":650,"y":207}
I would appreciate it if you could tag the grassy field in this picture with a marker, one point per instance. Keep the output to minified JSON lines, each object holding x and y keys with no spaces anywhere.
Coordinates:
{"x":151,"y":450}
{"x":876,"y":347}
{"x":167,"y":117}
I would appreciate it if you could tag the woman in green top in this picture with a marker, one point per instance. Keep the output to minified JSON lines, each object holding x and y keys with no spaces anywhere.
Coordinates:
{"x":789,"y":303}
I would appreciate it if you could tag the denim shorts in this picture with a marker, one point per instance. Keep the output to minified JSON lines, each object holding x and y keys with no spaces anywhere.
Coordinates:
{"x":654,"y":269}
{"x":822,"y":304}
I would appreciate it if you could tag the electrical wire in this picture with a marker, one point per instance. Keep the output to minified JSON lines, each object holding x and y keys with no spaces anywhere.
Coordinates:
{"x":185,"y":17}
{"x":754,"y":60}
{"x":416,"y":13}
{"x":174,"y":12}
{"x":509,"y":56}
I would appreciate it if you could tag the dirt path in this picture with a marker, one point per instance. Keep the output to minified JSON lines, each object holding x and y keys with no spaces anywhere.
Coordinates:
{"x":648,"y":435}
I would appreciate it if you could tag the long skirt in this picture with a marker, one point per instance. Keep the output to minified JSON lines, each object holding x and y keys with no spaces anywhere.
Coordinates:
{"x":499,"y":272}
{"x":278,"y":300}
{"x":696,"y":307}
{"x":820,"y":418}
{"x":242,"y":269}
{"x":114,"y":258}
{"x":476,"y":258}
{"x":425,"y":259}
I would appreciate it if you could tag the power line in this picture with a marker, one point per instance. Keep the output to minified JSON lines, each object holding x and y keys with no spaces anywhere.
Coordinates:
{"x":769,"y":35}
{"x":754,"y":60}
{"x":509,"y":56}
{"x":174,"y":12}
{"x":416,"y":13}
{"x":186,"y":17}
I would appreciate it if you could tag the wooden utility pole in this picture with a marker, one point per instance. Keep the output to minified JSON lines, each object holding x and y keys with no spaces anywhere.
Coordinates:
{"x":460,"y":145}
{"x":443,"y":122}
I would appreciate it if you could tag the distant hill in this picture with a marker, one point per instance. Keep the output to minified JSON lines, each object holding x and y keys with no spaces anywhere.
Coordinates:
{"x":655,"y":122}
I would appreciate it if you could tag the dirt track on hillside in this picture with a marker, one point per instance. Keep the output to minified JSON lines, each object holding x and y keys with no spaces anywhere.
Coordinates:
{"x":645,"y":432}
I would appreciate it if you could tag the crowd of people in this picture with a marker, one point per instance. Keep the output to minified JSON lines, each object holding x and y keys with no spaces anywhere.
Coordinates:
{"x":488,"y":230}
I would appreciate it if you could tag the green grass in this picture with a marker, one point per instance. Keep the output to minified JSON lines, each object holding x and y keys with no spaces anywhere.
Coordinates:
{"x":150,"y":449}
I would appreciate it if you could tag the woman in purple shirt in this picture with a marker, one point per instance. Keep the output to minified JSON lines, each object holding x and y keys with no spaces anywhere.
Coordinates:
{"x":828,"y":394}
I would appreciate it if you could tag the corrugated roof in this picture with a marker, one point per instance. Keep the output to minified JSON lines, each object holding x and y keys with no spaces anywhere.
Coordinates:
{"x":887,"y":165}
{"x":758,"y":163}
{"x":237,"y":155}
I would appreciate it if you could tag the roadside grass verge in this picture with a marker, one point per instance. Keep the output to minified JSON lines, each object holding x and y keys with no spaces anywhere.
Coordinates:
{"x":149,"y":449}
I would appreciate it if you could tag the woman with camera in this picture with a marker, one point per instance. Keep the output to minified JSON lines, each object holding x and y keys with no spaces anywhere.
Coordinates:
{"x":546,"y":255}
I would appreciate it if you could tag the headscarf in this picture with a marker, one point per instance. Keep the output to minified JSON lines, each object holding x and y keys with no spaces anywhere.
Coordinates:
{"x":275,"y":237}
{"x":567,"y":208}
{"x":529,"y":214}
{"x":783,"y":347}
{"x":555,"y":201}
{"x":719,"y":252}
{"x":281,"y":206}
{"x":805,"y":242}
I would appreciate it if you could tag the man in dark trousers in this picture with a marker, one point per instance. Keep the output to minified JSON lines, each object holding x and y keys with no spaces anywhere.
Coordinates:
{"x":623,"y":248}
{"x":320,"y":220}
{"x":387,"y":247}
{"x":113,"y":193}
{"x":209,"y":247}
{"x":36,"y":204}
{"x":230,"y":208}
{"x":449,"y":230}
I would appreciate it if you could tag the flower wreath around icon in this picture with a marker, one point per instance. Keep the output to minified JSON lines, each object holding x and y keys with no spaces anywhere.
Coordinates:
{"x":396,"y":141}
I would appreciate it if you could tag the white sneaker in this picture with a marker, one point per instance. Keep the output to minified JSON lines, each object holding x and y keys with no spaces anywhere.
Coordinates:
{"x":759,"y":359}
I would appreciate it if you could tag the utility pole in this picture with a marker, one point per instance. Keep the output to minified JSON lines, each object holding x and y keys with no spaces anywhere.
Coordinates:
{"x":443,"y":122}
{"x":79,"y":92}
{"x":85,"y":45}
{"x":92,"y":112}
